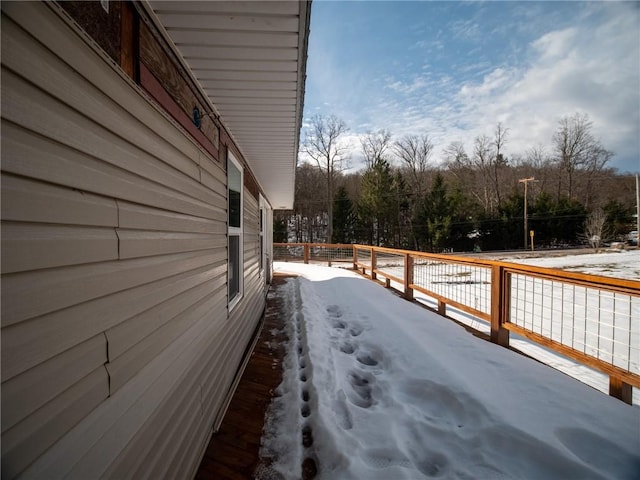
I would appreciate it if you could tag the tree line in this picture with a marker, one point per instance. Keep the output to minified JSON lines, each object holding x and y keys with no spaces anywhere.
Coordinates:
{"x":471,"y":198}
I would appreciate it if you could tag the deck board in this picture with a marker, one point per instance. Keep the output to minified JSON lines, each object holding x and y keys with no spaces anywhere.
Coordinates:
{"x":233,"y":451}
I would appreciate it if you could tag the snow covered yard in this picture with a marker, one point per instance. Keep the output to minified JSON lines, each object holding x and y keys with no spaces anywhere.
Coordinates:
{"x":612,"y":263}
{"x":377,"y":387}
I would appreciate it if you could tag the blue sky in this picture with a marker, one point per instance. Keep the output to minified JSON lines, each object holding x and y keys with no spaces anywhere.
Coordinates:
{"x":454,"y":70}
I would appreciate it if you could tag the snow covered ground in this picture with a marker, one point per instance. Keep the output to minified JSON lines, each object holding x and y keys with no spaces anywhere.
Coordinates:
{"x":612,"y":263}
{"x":376,"y":387}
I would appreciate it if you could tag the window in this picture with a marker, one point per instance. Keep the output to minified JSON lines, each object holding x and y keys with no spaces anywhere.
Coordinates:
{"x":234,"y":209}
{"x":262,"y":225}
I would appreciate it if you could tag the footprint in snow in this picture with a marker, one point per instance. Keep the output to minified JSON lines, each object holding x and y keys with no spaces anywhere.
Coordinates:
{"x":356,"y":330}
{"x":367,"y":360}
{"x":339,"y":325}
{"x":381,"y":458}
{"x":361,"y":391}
{"x":341,"y":410}
{"x":370,"y":356}
{"x":347,"y":347}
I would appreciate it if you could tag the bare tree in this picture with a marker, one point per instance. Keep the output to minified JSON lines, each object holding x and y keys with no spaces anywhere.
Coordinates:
{"x":576,"y":148}
{"x":499,"y":161}
{"x":309,"y":212}
{"x":594,"y":228}
{"x":415,"y":153}
{"x":323,"y":144}
{"x":537,"y":157}
{"x":482,"y":160}
{"x":539,"y":164}
{"x":375,"y":146}
{"x":455,"y":155}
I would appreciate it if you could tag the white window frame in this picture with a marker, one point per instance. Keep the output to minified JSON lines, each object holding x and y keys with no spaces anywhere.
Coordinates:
{"x":262,"y":226}
{"x":235,"y":232}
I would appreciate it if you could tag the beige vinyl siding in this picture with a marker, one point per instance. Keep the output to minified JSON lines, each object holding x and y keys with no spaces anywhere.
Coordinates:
{"x":117,"y":349}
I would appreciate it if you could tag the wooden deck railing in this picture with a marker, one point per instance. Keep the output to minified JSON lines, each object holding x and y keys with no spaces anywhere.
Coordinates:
{"x":592,"y":319}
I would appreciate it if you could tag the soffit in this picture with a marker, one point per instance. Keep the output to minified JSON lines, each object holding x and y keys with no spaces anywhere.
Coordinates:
{"x":249,"y":58}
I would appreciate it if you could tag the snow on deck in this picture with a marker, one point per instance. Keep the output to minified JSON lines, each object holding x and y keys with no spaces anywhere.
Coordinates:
{"x":384,"y":389}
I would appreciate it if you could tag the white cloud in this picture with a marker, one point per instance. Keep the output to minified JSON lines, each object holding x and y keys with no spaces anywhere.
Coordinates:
{"x":592,"y":67}
{"x":595,"y":70}
{"x":466,"y":29}
{"x":555,"y":45}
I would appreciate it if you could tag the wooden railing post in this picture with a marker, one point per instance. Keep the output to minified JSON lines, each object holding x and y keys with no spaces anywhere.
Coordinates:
{"x":355,"y":257}
{"x":408,"y":276}
{"x":500,"y":294}
{"x":306,"y":253}
{"x":620,"y":390}
{"x":373,"y":265}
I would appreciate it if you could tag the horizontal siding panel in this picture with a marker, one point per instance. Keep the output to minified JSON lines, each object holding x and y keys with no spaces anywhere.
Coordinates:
{"x":145,"y":218}
{"x":31,"y":60}
{"x":213,"y":183}
{"x":133,"y":360}
{"x":31,"y":201}
{"x":46,"y":116}
{"x":27,"y":344}
{"x":116,"y":423}
{"x":217,"y":350}
{"x":214,"y":350}
{"x":144,"y":243}
{"x":197,"y":436}
{"x":51,"y":119}
{"x":150,"y":444}
{"x":216,"y":170}
{"x":250,"y":203}
{"x":246,"y":319}
{"x":60,"y":288}
{"x":26,"y":393}
{"x":215,"y":383}
{"x":30,"y":155}
{"x":175,"y":438}
{"x":30,"y":438}
{"x":252,"y":274}
{"x":126,"y":334}
{"x":29,"y":246}
{"x":210,"y":351}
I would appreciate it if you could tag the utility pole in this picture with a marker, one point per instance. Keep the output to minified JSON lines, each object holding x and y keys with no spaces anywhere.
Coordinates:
{"x":526,"y":182}
{"x":638,"y":209}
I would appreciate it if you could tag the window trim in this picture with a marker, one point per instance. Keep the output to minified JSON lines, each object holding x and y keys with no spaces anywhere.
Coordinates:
{"x":262,"y":226}
{"x":235,"y":231}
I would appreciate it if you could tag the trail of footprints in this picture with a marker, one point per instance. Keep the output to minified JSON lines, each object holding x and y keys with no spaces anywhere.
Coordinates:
{"x":362,"y":382}
{"x":309,"y":464}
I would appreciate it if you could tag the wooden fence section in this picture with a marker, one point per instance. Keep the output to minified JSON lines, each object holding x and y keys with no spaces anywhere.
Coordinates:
{"x":592,"y":319}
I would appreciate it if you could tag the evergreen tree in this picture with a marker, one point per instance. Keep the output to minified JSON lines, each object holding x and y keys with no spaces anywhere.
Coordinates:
{"x":557,"y":222}
{"x":279,"y":229}
{"x":436,"y":216}
{"x":343,"y":217}
{"x":619,"y":219}
{"x":376,"y":205}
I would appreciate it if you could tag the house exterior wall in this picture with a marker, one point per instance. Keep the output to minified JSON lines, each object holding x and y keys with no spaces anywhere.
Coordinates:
{"x":118,"y":349}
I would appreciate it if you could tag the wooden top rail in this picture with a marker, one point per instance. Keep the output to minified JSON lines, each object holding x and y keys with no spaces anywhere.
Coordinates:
{"x":327,"y":245}
{"x":631,"y":287}
{"x":584,"y":279}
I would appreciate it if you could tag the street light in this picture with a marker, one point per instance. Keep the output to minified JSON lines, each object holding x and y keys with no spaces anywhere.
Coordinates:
{"x":526,"y":182}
